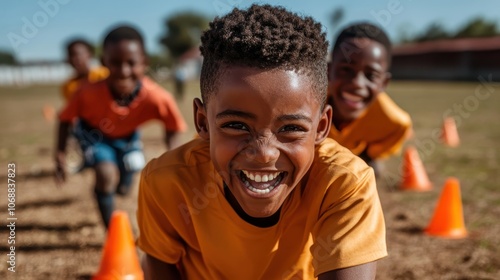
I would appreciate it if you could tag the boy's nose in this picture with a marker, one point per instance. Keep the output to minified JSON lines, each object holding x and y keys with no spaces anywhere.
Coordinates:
{"x":359,"y":80}
{"x":124,"y":70}
{"x":262,"y":151}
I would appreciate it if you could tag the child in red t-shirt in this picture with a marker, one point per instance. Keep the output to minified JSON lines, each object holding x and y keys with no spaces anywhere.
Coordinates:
{"x":109,"y":113}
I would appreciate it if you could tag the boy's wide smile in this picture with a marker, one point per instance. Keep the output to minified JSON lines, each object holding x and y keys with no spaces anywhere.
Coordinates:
{"x":261,"y":184}
{"x":354,"y":101}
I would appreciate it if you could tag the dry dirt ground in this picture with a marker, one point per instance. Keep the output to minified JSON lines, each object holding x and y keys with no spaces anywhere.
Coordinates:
{"x":59,"y":235}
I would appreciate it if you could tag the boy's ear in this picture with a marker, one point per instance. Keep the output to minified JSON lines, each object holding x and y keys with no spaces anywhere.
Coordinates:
{"x":200,"y":119}
{"x":324,"y":124}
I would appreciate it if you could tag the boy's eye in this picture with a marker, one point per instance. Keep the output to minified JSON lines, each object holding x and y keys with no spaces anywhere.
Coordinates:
{"x":345,"y":71}
{"x":292,"y":128}
{"x":236,"y":126}
{"x":116,"y":63}
{"x":372,"y":76}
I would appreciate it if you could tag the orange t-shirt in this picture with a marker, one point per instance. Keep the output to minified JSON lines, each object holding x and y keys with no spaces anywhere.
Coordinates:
{"x":381,"y":130}
{"x":331,"y":221}
{"x":70,"y":87}
{"x":95,"y":105}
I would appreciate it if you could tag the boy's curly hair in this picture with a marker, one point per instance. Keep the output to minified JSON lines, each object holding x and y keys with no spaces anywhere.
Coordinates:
{"x":264,"y":37}
{"x":364,"y":30}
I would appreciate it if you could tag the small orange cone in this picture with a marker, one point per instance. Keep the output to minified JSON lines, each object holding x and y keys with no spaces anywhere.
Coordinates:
{"x":49,"y":113}
{"x":448,"y":219}
{"x":414,"y":175}
{"x":119,"y":257}
{"x":449,"y":135}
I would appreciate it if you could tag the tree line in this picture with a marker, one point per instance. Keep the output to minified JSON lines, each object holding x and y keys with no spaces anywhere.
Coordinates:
{"x":182,"y":32}
{"x":475,"y":28}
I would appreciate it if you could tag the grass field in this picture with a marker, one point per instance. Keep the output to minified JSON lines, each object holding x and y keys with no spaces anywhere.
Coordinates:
{"x":59,"y":235}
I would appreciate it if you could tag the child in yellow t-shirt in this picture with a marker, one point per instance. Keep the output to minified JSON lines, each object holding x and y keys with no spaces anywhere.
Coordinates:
{"x":365,"y":119}
{"x":80,"y":54}
{"x":262,"y":193}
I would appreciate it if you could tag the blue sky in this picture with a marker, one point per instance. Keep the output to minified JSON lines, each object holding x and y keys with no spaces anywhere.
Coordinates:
{"x":37,"y":30}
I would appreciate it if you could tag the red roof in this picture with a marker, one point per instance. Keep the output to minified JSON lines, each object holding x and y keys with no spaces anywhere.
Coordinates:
{"x":454,"y":45}
{"x":190,"y":54}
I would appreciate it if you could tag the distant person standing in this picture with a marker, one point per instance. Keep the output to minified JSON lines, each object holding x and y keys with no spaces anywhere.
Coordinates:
{"x":79,"y":55}
{"x":180,"y":81}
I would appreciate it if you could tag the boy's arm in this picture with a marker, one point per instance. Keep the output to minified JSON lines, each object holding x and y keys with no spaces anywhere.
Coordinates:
{"x":172,"y":139}
{"x":156,"y":269}
{"x":359,"y":272}
{"x":60,"y":157}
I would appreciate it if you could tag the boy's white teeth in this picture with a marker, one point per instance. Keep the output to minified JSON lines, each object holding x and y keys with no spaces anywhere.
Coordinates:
{"x":261,"y":182}
{"x":352,"y":97}
{"x":261,"y":177}
{"x":264,"y":191}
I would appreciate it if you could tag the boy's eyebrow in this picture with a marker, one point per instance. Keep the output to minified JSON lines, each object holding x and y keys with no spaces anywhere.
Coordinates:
{"x":294,"y":117}
{"x":235,"y":113}
{"x":246,"y":115}
{"x":375,"y":67}
{"x":347,"y":60}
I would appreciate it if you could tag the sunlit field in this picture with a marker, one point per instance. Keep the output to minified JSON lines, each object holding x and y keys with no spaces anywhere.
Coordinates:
{"x":59,"y":234}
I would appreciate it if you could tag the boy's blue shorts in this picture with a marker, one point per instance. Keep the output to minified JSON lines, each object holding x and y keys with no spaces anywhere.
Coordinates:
{"x":125,"y":152}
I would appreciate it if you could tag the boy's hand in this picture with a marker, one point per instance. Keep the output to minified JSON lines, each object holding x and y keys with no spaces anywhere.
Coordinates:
{"x":60,"y":172}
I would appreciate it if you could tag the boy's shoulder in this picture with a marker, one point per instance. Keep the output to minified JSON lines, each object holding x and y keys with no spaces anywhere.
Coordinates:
{"x":96,"y":88}
{"x":389,"y":110}
{"x":152,"y":86}
{"x":333,"y":160}
{"x":91,"y":93}
{"x":335,"y":175}
{"x":154,"y":91}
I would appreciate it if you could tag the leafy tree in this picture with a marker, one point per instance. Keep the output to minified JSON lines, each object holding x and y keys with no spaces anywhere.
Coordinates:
{"x":477,"y":27}
{"x":434,"y":31}
{"x":183,"y":32}
{"x":7,"y":58}
{"x":159,"y":60}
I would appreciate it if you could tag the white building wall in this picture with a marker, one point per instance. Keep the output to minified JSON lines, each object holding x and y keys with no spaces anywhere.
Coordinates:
{"x":24,"y":75}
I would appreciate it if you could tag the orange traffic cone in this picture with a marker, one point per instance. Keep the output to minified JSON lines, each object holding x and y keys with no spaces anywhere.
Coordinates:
{"x":448,"y":219}
{"x":49,"y":113}
{"x":414,"y":175}
{"x":449,"y":135}
{"x":119,"y":257}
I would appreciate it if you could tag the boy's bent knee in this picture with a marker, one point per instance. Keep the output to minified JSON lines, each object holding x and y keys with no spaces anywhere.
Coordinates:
{"x":106,"y":177}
